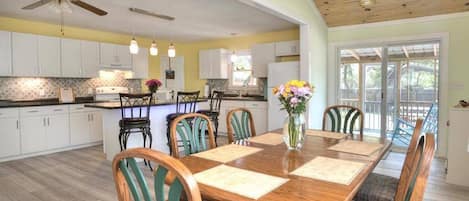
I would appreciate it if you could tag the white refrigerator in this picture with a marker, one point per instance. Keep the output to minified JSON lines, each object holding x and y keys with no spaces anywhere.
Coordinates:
{"x":279,"y":73}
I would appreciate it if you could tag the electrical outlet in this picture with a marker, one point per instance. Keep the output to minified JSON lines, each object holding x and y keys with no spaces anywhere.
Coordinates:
{"x":42,"y":92}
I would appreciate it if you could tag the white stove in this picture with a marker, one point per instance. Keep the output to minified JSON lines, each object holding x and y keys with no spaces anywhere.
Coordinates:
{"x":109,"y":93}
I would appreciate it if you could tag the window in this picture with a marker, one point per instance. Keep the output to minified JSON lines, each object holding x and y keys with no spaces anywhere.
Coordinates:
{"x":241,"y":70}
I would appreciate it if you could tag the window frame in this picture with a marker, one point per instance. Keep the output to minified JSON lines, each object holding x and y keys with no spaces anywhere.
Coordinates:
{"x":246,"y":52}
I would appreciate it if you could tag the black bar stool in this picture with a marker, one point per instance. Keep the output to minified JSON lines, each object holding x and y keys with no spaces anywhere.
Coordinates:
{"x":186,"y":102}
{"x":214,"y":112}
{"x":135,"y":109}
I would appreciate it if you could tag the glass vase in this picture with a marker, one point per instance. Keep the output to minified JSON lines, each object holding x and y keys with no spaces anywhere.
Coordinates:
{"x":294,"y":131}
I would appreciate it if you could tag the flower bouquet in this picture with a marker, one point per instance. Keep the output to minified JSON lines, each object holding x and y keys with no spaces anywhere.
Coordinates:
{"x":294,"y":97}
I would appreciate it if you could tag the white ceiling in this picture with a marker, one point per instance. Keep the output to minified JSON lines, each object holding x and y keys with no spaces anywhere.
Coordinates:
{"x":195,"y":19}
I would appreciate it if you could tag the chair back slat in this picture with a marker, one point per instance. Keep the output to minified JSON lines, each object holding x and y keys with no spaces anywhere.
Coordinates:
{"x":186,"y":102}
{"x":343,"y":119}
{"x":240,"y":124}
{"x":430,"y":124}
{"x":424,"y":168}
{"x":191,"y":130}
{"x":135,"y":106}
{"x":215,"y":100}
{"x":181,"y":180}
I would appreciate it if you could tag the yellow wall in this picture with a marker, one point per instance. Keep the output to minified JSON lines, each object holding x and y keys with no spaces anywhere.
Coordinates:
{"x":190,"y":51}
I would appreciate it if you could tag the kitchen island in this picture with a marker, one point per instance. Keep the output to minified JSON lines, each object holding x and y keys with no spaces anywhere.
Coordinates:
{"x":111,"y":115}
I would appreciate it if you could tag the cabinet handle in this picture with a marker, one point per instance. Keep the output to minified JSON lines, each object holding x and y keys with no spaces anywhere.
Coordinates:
{"x":57,"y":110}
{"x":17,"y":124}
{"x":44,"y":121}
{"x":48,"y":121}
{"x":33,"y":111}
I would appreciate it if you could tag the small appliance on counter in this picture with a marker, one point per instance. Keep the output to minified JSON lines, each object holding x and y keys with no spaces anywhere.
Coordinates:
{"x":163,"y":94}
{"x":109,"y":93}
{"x":66,"y":95}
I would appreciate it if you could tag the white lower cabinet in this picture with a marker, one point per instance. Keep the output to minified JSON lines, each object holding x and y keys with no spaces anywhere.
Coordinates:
{"x":33,"y":134}
{"x":57,"y":131}
{"x":10,"y":134}
{"x":257,"y":108}
{"x":85,"y":126}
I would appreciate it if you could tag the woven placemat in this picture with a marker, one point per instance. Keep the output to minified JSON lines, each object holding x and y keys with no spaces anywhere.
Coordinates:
{"x":326,"y":134}
{"x":268,"y":138}
{"x":356,"y":147}
{"x":242,"y":182}
{"x":227,"y":153}
{"x":330,"y":169}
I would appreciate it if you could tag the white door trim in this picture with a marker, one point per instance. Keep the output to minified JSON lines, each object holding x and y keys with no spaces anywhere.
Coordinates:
{"x":443,"y":38}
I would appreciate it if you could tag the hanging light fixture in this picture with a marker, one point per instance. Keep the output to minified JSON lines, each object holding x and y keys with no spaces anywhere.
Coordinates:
{"x":171,"y":50}
{"x":153,"y":49}
{"x":133,"y":47}
{"x":233,"y":57}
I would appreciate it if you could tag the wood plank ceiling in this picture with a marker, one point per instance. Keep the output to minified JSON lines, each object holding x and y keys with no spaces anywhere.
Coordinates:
{"x":350,"y":12}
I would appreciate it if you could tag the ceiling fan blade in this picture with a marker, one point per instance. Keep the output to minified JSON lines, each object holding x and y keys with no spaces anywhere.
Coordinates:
{"x":89,"y":7}
{"x":36,"y":4}
{"x":145,"y":12}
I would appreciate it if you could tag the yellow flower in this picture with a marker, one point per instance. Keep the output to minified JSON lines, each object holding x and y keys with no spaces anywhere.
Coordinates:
{"x":275,"y":90}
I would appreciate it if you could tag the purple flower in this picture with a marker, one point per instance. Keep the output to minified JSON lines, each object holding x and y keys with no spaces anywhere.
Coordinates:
{"x":294,"y":101}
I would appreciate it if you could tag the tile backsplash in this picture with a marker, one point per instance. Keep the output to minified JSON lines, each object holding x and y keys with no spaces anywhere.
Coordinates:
{"x":30,"y":88}
{"x":219,"y":84}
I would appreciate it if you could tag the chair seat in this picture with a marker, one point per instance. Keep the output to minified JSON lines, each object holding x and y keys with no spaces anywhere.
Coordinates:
{"x":377,"y":187}
{"x":134,"y":123}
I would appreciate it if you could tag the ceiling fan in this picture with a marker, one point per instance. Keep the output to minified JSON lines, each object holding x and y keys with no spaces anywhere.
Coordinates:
{"x":64,"y":6}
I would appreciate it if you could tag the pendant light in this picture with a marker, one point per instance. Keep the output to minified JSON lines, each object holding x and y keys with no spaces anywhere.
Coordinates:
{"x":133,"y":47}
{"x":153,"y":49}
{"x":171,"y":50}
{"x":233,"y":57}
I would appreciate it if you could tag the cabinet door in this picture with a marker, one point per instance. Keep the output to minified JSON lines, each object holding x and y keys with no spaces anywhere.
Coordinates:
{"x":49,"y":56}
{"x":71,"y":58}
{"x":107,"y":54}
{"x":262,"y":56}
{"x":24,"y":54}
{"x":5,"y":54}
{"x":58,"y":133}
{"x":96,"y":127}
{"x":222,"y":120}
{"x":140,"y":64}
{"x":124,"y":58}
{"x":33,"y":134}
{"x":219,"y":64}
{"x":10,"y":135}
{"x":79,"y":128}
{"x":90,"y":58}
{"x":287,"y":48}
{"x":260,"y":120}
{"x":205,"y":64}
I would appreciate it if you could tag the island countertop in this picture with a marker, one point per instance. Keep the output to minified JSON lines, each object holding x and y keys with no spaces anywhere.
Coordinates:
{"x":117,"y":105}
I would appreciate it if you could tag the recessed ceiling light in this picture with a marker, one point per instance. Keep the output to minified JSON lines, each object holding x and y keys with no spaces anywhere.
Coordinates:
{"x":366,"y":3}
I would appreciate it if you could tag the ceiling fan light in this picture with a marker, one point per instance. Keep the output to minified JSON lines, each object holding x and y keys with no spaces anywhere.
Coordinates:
{"x":153,"y":49}
{"x":133,"y":47}
{"x":171,"y":51}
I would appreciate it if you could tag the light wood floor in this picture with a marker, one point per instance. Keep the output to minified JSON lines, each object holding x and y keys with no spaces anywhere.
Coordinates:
{"x":85,"y":175}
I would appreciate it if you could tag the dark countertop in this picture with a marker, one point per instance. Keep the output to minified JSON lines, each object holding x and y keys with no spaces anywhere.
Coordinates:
{"x":245,"y":98}
{"x":117,"y":105}
{"x":43,"y":102}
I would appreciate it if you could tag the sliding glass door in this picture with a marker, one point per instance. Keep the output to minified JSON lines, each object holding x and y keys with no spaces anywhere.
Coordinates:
{"x":389,"y":82}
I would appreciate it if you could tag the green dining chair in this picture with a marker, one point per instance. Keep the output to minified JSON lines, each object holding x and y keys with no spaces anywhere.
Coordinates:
{"x":343,"y":119}
{"x":191,"y":132}
{"x":240,"y":124}
{"x":131,"y":184}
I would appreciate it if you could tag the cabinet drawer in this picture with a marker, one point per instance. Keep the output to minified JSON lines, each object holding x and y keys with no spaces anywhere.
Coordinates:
{"x":33,"y":111}
{"x":81,"y":108}
{"x":11,"y":112}
{"x":62,"y":109}
{"x":232,"y":104}
{"x":256,"y":104}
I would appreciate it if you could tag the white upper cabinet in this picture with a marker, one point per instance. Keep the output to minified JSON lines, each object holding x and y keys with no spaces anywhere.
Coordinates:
{"x":49,"y":56}
{"x":213,"y":64}
{"x":115,"y":56}
{"x":5,"y":54}
{"x":287,"y":48}
{"x":140,"y":64}
{"x":262,"y":56}
{"x":24,"y":54}
{"x":90,"y":58}
{"x":71,"y":58}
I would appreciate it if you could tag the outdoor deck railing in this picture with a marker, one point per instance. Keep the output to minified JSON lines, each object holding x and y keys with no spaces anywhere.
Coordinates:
{"x":408,"y":110}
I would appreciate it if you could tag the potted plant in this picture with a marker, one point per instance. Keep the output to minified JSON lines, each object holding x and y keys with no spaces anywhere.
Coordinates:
{"x":153,"y":85}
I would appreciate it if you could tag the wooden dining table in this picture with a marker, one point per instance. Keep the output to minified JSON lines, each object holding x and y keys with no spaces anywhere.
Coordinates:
{"x":277,"y":160}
